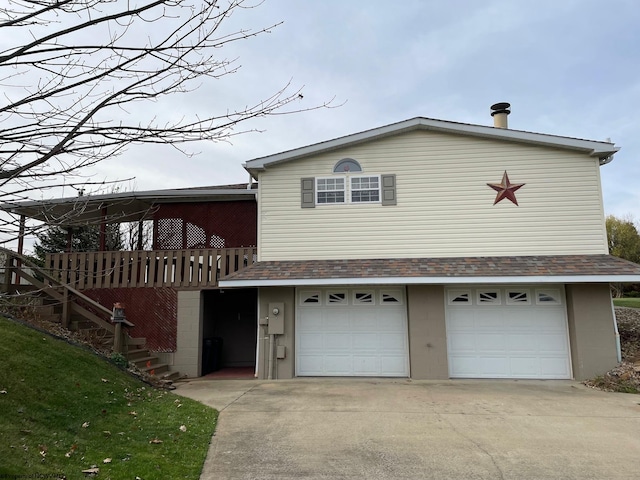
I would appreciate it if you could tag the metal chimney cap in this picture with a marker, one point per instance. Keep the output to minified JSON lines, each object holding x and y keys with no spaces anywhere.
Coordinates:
{"x":501,"y":107}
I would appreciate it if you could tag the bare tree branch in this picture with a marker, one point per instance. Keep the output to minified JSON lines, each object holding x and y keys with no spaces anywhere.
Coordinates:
{"x":72,"y":70}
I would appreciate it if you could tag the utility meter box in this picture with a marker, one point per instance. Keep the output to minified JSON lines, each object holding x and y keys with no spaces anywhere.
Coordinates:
{"x":276,"y":318}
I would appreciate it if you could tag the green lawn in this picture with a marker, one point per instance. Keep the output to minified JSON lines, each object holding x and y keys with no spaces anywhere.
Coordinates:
{"x":627,"y":302}
{"x":64,"y":410}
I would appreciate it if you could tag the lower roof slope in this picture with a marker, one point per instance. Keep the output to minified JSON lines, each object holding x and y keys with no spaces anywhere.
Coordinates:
{"x":462,"y":270}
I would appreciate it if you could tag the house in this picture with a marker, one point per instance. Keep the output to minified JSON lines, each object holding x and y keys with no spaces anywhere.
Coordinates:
{"x":432,"y":249}
{"x":426,"y":249}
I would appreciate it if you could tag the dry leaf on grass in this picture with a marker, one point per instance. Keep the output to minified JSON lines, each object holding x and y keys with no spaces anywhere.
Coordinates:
{"x":155,"y":441}
{"x":85,"y":424}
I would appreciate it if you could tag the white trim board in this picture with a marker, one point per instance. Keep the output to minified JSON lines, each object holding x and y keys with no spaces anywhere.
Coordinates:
{"x":431,"y":280}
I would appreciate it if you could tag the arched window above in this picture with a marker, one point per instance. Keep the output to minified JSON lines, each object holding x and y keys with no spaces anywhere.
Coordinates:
{"x":347,"y":165}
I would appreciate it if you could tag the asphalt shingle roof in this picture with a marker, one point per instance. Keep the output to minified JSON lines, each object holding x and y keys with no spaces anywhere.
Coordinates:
{"x":454,"y":267}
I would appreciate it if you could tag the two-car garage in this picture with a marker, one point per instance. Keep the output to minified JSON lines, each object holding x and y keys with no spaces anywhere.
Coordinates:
{"x":491,"y":332}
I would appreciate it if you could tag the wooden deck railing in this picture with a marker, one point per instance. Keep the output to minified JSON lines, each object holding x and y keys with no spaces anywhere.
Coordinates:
{"x":155,"y":268}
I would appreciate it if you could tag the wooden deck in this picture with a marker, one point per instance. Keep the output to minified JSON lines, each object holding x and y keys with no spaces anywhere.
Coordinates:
{"x":196,"y":268}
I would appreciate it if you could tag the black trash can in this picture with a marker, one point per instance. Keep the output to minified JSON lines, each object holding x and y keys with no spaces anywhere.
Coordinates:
{"x":211,"y":355}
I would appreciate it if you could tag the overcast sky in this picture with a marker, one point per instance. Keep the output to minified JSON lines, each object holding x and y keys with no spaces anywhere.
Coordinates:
{"x":567,"y":67}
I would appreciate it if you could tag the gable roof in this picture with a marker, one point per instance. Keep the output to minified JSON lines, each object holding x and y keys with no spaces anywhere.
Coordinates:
{"x":602,"y":150}
{"x":435,"y":271}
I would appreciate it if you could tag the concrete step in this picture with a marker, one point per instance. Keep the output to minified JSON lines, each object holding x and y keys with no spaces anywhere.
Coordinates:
{"x":170,"y":376}
{"x":156,"y":369}
{"x":144,"y":361}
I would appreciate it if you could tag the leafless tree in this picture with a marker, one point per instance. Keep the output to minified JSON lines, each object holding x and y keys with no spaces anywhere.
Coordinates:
{"x":72,"y":71}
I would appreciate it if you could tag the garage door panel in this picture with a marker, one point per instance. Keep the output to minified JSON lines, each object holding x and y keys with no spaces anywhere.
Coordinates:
{"x":487,"y":342}
{"x":366,"y":365}
{"x":393,"y":365}
{"x":311,"y":363}
{"x":526,"y":340}
{"x":337,"y":365}
{"x":463,"y":365}
{"x":553,"y":368}
{"x":551,"y":321}
{"x":390,"y":323}
{"x":312,"y":321}
{"x":357,"y":338}
{"x":336,"y":341}
{"x":522,"y":343}
{"x":460,"y":320}
{"x":311,"y":341}
{"x":524,"y":366}
{"x":462,"y":343}
{"x":493,"y":366}
{"x":553,"y":344}
{"x":335,"y":320}
{"x":488,"y":319}
{"x":366,"y":341}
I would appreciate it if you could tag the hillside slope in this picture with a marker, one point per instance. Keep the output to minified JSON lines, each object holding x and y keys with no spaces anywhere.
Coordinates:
{"x":64,"y":410}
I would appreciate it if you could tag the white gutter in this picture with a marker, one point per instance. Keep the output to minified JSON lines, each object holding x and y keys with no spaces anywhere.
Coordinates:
{"x":316,"y":282}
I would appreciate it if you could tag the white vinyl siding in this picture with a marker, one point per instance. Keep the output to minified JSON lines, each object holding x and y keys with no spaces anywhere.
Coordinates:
{"x":444,"y":206}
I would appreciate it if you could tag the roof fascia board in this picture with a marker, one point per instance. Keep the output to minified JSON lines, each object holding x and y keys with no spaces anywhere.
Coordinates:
{"x":592,"y":147}
{"x":318,"y":282}
{"x":153,"y":196}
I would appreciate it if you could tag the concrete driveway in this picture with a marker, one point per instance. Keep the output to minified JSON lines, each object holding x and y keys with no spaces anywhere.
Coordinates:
{"x":403,"y":429}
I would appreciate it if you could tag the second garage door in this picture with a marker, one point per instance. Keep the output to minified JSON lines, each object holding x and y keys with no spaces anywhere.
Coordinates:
{"x":352,"y":332}
{"x":507,"y":332}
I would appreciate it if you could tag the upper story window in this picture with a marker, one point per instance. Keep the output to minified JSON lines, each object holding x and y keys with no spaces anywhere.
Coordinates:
{"x":365,"y":189}
{"x":330,"y":190}
{"x":345,"y":189}
{"x":348,"y":185}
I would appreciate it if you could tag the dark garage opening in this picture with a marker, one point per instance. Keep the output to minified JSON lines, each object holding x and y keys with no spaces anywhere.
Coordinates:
{"x":229,"y":329}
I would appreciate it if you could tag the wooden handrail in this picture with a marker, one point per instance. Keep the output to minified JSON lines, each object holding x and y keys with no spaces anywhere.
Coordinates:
{"x":50,"y":278}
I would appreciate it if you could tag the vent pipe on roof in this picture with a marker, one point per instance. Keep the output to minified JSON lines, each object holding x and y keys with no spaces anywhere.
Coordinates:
{"x":499,"y":112}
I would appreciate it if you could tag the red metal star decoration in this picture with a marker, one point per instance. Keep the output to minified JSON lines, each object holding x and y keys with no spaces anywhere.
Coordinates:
{"x":506,"y":189}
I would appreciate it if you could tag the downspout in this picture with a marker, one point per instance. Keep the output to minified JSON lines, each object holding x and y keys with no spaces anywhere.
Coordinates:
{"x":615,"y":329}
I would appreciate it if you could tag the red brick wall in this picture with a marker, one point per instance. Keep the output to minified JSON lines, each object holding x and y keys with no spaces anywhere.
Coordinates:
{"x":153,"y":311}
{"x":204,"y":225}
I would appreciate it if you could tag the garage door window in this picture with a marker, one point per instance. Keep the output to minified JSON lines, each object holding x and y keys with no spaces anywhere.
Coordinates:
{"x":488,"y":297}
{"x":518,"y":297}
{"x":336,"y":298}
{"x":310,"y":298}
{"x":459,"y":297}
{"x":548,"y":297}
{"x":391,"y":297}
{"x":363,"y":298}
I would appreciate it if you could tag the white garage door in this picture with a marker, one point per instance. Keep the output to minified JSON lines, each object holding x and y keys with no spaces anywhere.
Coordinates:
{"x":507,"y":332}
{"x":352,"y":332}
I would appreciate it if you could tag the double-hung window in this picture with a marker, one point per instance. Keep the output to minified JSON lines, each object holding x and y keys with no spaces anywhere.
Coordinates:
{"x":365,"y":189}
{"x":348,"y":189}
{"x":330,"y":190}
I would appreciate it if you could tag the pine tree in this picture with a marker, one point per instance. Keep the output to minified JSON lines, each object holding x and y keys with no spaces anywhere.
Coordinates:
{"x":54,"y":239}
